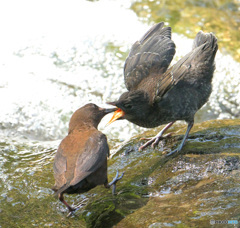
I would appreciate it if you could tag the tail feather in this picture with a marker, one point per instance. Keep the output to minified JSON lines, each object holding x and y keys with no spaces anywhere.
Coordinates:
{"x":204,"y":38}
{"x":205,"y":46}
{"x":60,"y":190}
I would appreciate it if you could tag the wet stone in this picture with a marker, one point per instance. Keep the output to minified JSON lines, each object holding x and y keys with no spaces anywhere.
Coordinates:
{"x":189,"y":189}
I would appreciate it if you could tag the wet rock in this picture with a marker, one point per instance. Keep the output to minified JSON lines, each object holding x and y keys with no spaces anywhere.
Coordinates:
{"x":197,"y":186}
{"x":189,"y":189}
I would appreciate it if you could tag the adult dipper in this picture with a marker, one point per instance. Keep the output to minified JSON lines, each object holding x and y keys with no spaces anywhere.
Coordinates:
{"x":160,"y":95}
{"x":80,"y":163}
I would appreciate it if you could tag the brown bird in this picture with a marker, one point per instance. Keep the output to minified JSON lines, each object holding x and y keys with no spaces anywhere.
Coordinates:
{"x":160,"y":95}
{"x":80,"y":163}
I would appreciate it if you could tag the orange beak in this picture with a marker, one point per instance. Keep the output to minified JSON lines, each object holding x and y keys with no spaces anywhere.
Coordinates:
{"x":116,"y":115}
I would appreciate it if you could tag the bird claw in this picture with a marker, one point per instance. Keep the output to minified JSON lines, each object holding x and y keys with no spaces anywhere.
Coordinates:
{"x":116,"y":178}
{"x":145,"y":139}
{"x":82,"y":203}
{"x":172,"y":152}
{"x":71,"y":213}
{"x":156,"y":141}
{"x":114,"y":182}
{"x":146,"y":144}
{"x":178,"y":149}
{"x":153,"y":141}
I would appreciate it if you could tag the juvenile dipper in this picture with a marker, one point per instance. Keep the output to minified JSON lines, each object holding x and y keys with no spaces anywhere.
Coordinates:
{"x":80,"y":163}
{"x":160,"y":95}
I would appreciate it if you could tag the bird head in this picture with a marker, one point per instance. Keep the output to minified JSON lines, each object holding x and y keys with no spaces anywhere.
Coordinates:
{"x":133,"y":105}
{"x":89,"y":114}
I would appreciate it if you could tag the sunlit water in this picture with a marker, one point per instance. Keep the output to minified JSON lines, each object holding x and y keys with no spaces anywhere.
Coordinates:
{"x":57,"y":56}
{"x":54,"y":62}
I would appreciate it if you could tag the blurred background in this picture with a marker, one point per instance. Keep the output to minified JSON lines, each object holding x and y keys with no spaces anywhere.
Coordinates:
{"x":56,"y":56}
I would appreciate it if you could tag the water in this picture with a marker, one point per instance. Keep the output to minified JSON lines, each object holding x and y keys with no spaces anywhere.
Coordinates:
{"x":55,"y":57}
{"x":53,"y":63}
{"x":50,"y":72}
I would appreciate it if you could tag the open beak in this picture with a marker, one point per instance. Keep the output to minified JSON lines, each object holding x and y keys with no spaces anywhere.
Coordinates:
{"x":116,"y":115}
{"x":109,"y":110}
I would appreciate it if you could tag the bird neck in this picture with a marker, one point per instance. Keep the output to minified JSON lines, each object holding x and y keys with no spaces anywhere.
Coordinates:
{"x":82,"y":126}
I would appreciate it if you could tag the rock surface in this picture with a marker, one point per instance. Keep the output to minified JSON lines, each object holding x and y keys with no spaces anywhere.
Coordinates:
{"x":189,"y":189}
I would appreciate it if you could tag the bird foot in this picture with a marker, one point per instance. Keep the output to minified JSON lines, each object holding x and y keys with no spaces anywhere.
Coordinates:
{"x":178,"y":149}
{"x":73,"y":210}
{"x":71,"y":213}
{"x":172,"y":152}
{"x":114,"y":182}
{"x":153,"y":141}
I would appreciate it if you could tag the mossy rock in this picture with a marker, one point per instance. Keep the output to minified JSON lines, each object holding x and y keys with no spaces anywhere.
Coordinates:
{"x":188,"y":189}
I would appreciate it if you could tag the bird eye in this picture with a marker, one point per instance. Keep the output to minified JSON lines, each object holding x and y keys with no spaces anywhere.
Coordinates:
{"x":128,"y":106}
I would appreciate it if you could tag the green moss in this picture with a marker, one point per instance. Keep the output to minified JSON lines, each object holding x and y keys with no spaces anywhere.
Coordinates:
{"x":102,"y":212}
{"x":184,"y":190}
{"x":188,"y":17}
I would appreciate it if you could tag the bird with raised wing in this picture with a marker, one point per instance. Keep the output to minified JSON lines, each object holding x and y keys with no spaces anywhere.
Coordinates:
{"x":158,"y":94}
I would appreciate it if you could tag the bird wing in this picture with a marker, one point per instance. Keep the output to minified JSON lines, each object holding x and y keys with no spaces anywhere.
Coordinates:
{"x":59,"y":168}
{"x":93,"y":157}
{"x":151,"y":54}
{"x":196,"y":64}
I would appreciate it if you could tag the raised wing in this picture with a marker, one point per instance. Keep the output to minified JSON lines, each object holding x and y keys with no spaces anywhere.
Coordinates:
{"x":152,"y":54}
{"x":199,"y":63}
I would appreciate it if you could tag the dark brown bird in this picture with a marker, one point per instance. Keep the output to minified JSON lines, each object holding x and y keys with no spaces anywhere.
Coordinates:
{"x":80,"y":163}
{"x":160,"y":95}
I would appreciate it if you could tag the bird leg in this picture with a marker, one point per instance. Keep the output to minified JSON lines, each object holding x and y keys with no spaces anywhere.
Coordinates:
{"x":114,"y":182}
{"x":155,"y":140}
{"x":61,"y":198}
{"x":71,"y":209}
{"x":190,"y":125}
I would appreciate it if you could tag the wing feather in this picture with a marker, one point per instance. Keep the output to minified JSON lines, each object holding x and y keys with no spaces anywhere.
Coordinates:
{"x":199,"y":63}
{"x":93,"y":157}
{"x":152,"y":54}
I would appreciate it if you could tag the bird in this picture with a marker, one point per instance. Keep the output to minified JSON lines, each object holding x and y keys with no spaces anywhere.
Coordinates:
{"x":80,"y":162}
{"x":161,"y":94}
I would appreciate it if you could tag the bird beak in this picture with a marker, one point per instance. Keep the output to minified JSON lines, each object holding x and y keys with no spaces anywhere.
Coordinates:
{"x":116,"y":115}
{"x":108,"y":110}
